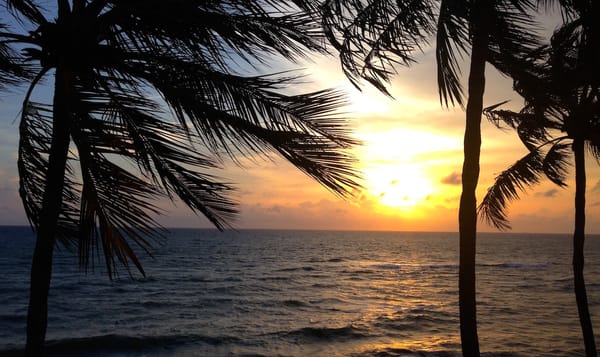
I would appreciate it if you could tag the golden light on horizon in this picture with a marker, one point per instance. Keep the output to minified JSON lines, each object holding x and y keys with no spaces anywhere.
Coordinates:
{"x":398,"y":169}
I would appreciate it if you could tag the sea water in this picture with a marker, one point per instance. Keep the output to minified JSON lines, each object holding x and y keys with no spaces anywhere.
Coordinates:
{"x":305,"y":293}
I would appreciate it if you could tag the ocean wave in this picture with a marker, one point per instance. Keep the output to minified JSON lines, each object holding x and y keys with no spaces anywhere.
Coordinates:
{"x":394,"y":266}
{"x":510,"y":265}
{"x":387,"y":266}
{"x":330,"y":260}
{"x":274,"y":278}
{"x":404,"y":352}
{"x":113,"y":343}
{"x":205,"y":279}
{"x":411,"y":322}
{"x":328,"y":333}
{"x":359,"y":271}
{"x":294,"y":303}
{"x":328,"y":300}
{"x":13,"y":317}
{"x":304,"y":268}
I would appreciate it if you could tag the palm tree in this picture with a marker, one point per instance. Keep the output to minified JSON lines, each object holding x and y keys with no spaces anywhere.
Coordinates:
{"x":374,"y":36}
{"x":562,"y":96}
{"x":148,"y":100}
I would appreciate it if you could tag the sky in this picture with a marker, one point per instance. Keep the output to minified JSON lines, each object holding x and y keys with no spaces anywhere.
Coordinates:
{"x":410,"y":159}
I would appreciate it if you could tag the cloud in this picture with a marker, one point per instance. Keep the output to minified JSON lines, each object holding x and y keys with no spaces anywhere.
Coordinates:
{"x":550,"y":193}
{"x":452,"y":179}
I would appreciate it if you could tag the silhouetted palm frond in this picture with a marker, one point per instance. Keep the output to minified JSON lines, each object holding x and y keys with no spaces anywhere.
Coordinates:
{"x":557,"y":161}
{"x":27,"y":9}
{"x":35,"y":136}
{"x":154,"y":97}
{"x":372,"y":37}
{"x":13,"y":70}
{"x":452,"y":41}
{"x":561,"y":95}
{"x":507,"y":186}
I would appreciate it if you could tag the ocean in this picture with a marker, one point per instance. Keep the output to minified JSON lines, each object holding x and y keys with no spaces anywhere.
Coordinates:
{"x":305,"y":293}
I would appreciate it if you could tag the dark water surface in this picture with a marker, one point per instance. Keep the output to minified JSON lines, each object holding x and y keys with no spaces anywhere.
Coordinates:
{"x":306,"y":293}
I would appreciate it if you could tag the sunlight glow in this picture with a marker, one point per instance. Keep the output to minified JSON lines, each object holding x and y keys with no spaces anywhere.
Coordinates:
{"x":396,"y":167}
{"x":369,"y":101}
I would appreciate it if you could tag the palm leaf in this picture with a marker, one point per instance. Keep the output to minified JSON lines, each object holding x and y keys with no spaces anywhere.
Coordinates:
{"x":452,"y":40}
{"x":135,"y":147}
{"x":507,"y":185}
{"x":373,"y":37}
{"x":164,"y":152}
{"x":114,"y":209}
{"x":34,"y":145}
{"x":13,"y":69}
{"x":556,"y":162}
{"x":27,"y":9}
{"x":242,"y":114}
{"x":243,"y":30}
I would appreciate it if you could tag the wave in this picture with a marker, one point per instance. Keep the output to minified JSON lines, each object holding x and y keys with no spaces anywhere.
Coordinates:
{"x":413,"y":322}
{"x":388,"y":266}
{"x":304,"y":268}
{"x":113,"y":343}
{"x":205,"y":279}
{"x":328,"y":300}
{"x":13,"y":317}
{"x":359,"y":271}
{"x":294,"y":303}
{"x":514,"y":265}
{"x":330,"y":260}
{"x":328,"y":333}
{"x":405,"y":352}
{"x":275,"y":278}
{"x":393,"y":266}
{"x":510,"y":265}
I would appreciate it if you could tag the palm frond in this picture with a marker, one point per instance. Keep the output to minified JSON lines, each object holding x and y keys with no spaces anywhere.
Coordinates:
{"x":532,"y":133}
{"x":165,"y":147}
{"x":594,"y":149}
{"x":13,"y":69}
{"x":452,"y":40}
{"x":217,"y":31}
{"x":227,"y":110}
{"x":514,"y":32}
{"x":27,"y":9}
{"x":507,"y":186}
{"x":531,"y":126}
{"x":34,"y":145}
{"x":165,"y":152}
{"x":115,"y":207}
{"x":133,"y":149}
{"x":500,"y":116}
{"x":556,"y":162}
{"x":373,"y":37}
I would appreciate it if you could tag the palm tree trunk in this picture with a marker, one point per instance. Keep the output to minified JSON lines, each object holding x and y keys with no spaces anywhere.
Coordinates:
{"x":41,"y":266}
{"x":578,"y":243}
{"x":467,"y":213}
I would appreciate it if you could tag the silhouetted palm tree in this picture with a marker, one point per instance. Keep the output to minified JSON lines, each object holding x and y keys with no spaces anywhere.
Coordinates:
{"x":562,"y":96}
{"x":148,"y":100}
{"x":374,"y":36}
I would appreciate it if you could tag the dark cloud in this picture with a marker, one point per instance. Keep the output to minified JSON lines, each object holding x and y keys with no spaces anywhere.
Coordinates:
{"x":550,"y":193}
{"x":452,"y":179}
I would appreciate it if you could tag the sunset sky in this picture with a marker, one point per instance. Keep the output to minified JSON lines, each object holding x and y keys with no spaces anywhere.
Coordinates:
{"x":411,"y":161}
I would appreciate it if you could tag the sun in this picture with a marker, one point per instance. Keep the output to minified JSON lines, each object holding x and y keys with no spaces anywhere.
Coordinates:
{"x":402,"y":188}
{"x":398,"y":169}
